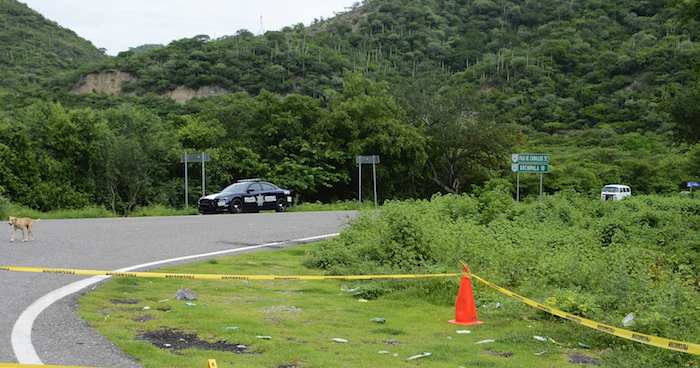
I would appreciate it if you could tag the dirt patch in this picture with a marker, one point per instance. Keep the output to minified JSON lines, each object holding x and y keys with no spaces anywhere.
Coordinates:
{"x":144,"y":318}
{"x":177,"y":340}
{"x":183,"y":94}
{"x":108,"y":82}
{"x":124,"y":301}
{"x":281,"y":309}
{"x":502,"y":354}
{"x":577,"y":358}
{"x":388,"y":331}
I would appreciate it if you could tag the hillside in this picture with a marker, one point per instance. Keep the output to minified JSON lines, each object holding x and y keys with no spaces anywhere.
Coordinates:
{"x":552,"y":64}
{"x":444,"y":91}
{"x":34,"y":48}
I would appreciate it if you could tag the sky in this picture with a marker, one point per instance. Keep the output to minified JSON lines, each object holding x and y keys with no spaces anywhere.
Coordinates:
{"x":118,"y":25}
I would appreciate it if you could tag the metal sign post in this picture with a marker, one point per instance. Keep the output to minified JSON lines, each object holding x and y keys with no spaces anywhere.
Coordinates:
{"x":188,"y":158}
{"x":359,"y":182}
{"x":529,"y":163}
{"x":186,"y":194}
{"x":374,"y":178}
{"x":374,"y":160}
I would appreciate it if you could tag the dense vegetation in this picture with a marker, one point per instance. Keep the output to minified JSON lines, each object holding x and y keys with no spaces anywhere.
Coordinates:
{"x":443,"y":91}
{"x":33,"y":48}
{"x":600,"y":260}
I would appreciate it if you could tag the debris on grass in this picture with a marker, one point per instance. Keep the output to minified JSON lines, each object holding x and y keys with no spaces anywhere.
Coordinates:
{"x":418,"y":356}
{"x":146,"y":308}
{"x":502,"y":354}
{"x":124,"y":301}
{"x":577,"y":358}
{"x":143,"y":318}
{"x":543,"y":352}
{"x":231,"y":328}
{"x":263,"y":337}
{"x":362,"y":300}
{"x":378,"y":320}
{"x":487,"y":341}
{"x":463,"y":332}
{"x":339,"y":340}
{"x":185,"y":294}
{"x":383,"y":352}
{"x":281,"y":309}
{"x":582,"y":345}
{"x":391,"y":342}
{"x":190,"y":304}
{"x":178,"y":340}
{"x":540,"y":338}
{"x":163,"y":300}
{"x":628,"y":320}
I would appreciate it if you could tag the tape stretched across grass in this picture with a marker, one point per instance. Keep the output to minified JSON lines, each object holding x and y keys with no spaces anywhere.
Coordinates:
{"x":211,"y":363}
{"x":660,"y":342}
{"x":216,"y":277}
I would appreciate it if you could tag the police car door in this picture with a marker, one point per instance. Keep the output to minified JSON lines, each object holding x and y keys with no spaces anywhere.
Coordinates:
{"x":257,"y":197}
{"x":270,"y":196}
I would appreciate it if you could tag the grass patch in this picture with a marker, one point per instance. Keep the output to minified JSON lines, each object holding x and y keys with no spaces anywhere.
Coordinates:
{"x":303,"y":317}
{"x":161,"y":210}
{"x":333,"y":206}
{"x":11,"y":209}
{"x":87,"y":212}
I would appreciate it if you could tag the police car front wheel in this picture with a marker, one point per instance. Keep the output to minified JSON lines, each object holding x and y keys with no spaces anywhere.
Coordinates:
{"x":281,"y":205}
{"x":236,"y":206}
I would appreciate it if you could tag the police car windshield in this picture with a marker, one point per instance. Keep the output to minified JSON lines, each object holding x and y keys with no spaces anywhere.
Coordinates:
{"x":235,"y":188}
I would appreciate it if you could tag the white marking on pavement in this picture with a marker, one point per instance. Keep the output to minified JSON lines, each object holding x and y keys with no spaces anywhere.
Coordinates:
{"x":21,"y":337}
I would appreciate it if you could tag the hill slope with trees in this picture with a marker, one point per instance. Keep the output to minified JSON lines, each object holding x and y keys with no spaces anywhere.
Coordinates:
{"x":444,"y":91}
{"x":34,"y":48}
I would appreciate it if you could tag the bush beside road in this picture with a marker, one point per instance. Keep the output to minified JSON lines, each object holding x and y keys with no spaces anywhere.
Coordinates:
{"x":599,"y":260}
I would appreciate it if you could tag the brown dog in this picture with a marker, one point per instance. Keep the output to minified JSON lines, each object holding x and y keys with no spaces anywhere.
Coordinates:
{"x":22,"y":223}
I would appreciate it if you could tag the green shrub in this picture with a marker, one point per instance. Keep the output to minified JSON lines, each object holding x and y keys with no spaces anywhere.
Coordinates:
{"x":4,"y":207}
{"x":162,"y":210}
{"x":601,"y":260}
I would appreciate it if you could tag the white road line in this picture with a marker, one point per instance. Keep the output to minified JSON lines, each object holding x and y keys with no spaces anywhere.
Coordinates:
{"x":21,"y":337}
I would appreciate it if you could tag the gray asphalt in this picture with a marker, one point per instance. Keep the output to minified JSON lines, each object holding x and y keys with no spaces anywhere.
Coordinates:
{"x":59,"y":336}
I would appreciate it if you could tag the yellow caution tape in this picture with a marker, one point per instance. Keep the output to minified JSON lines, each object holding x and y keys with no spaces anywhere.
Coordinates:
{"x":211,"y":363}
{"x":15,"y":365}
{"x":660,"y":342}
{"x":685,"y":347}
{"x":214,"y":277}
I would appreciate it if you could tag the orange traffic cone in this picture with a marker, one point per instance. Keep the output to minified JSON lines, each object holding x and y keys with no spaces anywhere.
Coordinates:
{"x":465,"y":307}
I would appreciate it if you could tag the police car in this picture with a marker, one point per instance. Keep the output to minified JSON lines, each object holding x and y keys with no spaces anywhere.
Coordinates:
{"x":248,"y":195}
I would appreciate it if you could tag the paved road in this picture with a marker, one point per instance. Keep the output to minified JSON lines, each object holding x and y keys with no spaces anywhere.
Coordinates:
{"x":59,"y":336}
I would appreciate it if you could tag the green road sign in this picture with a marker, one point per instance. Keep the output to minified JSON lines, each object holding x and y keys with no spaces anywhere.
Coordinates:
{"x":533,"y":158}
{"x":530,"y":168}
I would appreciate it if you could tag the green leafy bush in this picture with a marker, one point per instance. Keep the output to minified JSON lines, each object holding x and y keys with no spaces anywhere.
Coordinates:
{"x":601,"y":260}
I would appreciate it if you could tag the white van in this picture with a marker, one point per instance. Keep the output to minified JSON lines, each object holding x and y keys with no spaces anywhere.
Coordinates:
{"x":615,"y":192}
